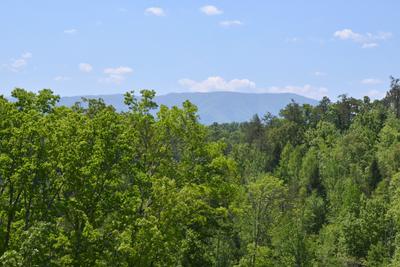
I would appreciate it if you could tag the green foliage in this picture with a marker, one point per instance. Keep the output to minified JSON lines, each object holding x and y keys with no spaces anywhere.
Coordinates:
{"x":88,"y":186}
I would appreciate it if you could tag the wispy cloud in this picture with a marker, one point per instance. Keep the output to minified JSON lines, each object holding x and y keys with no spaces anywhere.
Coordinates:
{"x":61,"y":78}
{"x":367,"y":40}
{"x":116,"y":75}
{"x":85,"y":67}
{"x":155,"y":11}
{"x":306,"y":90}
{"x":230,"y":23}
{"x":20,"y":63}
{"x":118,"y":71}
{"x":71,"y":31}
{"x":369,"y":45}
{"x":376,"y":94}
{"x":210,"y":10}
{"x":122,"y":10}
{"x":292,"y":40}
{"x":216,"y":83}
{"x":319,"y":74}
{"x":371,"y":81}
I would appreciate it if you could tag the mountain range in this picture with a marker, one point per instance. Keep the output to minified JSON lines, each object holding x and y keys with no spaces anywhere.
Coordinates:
{"x":218,"y":107}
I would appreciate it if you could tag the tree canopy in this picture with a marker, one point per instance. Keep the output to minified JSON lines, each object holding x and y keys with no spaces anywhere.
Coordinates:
{"x":89,"y":186}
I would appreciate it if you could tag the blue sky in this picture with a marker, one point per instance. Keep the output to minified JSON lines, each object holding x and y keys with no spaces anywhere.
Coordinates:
{"x":312,"y":48}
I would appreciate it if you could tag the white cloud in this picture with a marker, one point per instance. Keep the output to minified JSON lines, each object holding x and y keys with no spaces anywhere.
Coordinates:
{"x":230,"y":23}
{"x":117,"y":79}
{"x":210,"y":10}
{"x":369,"y":45}
{"x":375,"y":94}
{"x":367,"y":40}
{"x":85,"y":67}
{"x":20,"y":63}
{"x":306,"y":90}
{"x":348,"y":34}
{"x":61,"y":78}
{"x":71,"y":31}
{"x":116,"y":75}
{"x":26,"y":55}
{"x":371,"y":81}
{"x":292,"y":40}
{"x":319,"y":73}
{"x":118,"y":71}
{"x":216,"y":83}
{"x":155,"y":11}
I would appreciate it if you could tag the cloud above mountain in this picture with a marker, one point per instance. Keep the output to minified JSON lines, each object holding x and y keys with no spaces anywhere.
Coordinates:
{"x":216,"y":83}
{"x":116,"y":75}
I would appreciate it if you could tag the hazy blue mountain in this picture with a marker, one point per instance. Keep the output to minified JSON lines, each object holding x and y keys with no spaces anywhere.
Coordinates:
{"x":215,"y":107}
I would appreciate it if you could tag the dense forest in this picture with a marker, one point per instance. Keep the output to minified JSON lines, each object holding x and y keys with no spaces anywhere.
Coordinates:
{"x":88,"y":186}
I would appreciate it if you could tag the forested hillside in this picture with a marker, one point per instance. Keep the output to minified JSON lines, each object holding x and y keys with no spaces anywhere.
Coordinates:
{"x":89,"y":186}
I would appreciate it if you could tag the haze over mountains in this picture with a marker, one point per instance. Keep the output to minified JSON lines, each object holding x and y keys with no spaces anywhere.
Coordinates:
{"x":215,"y":106}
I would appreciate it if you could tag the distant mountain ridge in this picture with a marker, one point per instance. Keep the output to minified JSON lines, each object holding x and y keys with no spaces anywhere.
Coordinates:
{"x":215,"y":106}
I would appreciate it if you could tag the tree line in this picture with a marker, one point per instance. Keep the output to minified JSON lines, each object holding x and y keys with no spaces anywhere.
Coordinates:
{"x":89,"y":186}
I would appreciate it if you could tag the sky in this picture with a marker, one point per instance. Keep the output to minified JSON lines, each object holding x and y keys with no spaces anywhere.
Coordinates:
{"x":312,"y":48}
